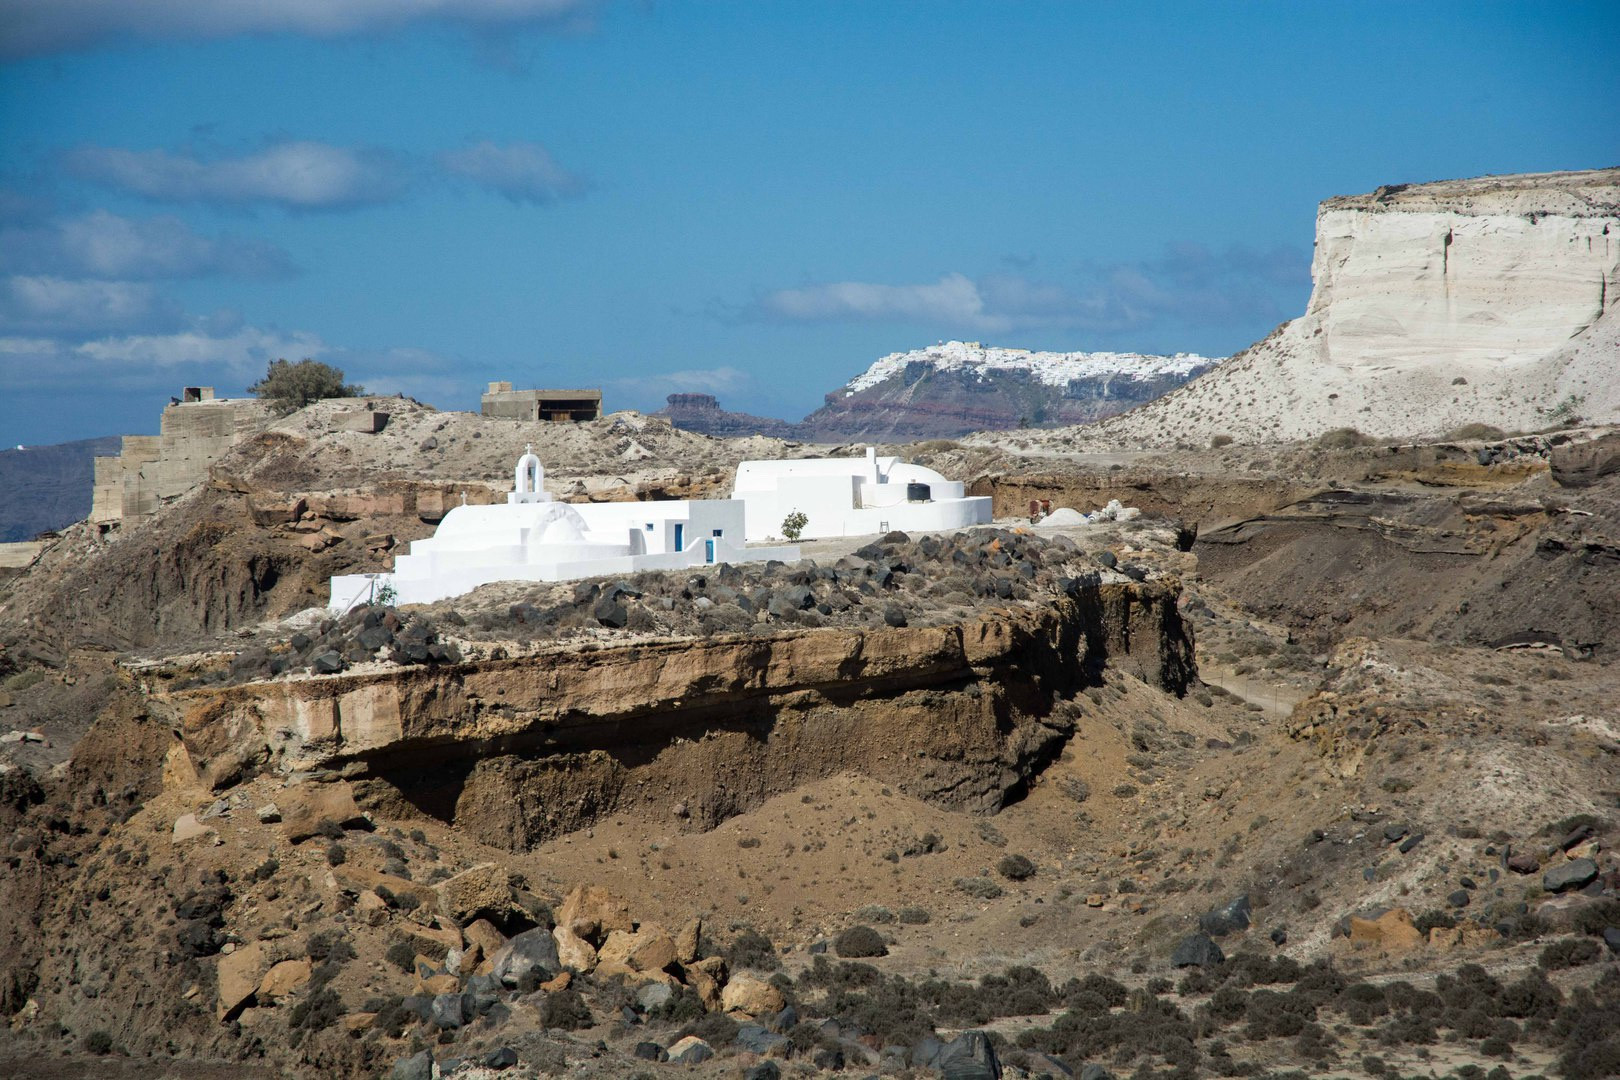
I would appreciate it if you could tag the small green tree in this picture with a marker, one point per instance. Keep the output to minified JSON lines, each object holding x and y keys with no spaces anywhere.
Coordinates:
{"x":794,"y":524}
{"x":289,"y":387}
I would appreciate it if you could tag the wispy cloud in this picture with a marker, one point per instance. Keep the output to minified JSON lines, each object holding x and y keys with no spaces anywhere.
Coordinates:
{"x":36,"y":27}
{"x":524,"y":172}
{"x":296,"y":175}
{"x":104,"y":245}
{"x":1189,"y":284}
{"x":44,"y":304}
{"x":149,"y":360}
{"x":954,"y":300}
{"x":650,"y":390}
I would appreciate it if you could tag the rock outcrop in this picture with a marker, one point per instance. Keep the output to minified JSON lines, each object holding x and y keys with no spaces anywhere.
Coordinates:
{"x":519,"y":751}
{"x":702,"y":414}
{"x":1486,"y":301}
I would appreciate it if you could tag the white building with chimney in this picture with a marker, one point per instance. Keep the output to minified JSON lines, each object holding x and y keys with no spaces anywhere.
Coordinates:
{"x":533,"y":537}
{"x":852,"y":497}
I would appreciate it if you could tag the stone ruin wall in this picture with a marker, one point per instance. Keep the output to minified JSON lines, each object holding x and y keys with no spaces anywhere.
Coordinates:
{"x":153,"y":468}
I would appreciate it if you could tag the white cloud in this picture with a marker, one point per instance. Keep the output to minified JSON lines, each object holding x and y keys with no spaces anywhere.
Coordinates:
{"x":297,"y":175}
{"x":34,"y":27}
{"x":105,"y":245}
{"x":521,"y":171}
{"x":44,"y":304}
{"x":1189,"y":285}
{"x":717,"y":381}
{"x":952,"y":300}
{"x":141,"y":360}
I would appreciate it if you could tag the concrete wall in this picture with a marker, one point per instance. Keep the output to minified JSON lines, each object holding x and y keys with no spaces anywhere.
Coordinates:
{"x":152,"y":468}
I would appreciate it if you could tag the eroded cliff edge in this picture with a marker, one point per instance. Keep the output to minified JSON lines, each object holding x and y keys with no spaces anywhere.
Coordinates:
{"x":518,"y":751}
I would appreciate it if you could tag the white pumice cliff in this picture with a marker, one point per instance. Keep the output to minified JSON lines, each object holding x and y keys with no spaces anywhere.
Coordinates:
{"x":1489,"y":300}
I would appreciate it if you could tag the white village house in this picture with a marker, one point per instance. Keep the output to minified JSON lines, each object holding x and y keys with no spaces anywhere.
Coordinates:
{"x":852,"y":497}
{"x":533,"y":537}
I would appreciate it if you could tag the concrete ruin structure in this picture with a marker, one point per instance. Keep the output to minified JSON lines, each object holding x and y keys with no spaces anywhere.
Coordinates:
{"x":852,"y":497}
{"x":533,"y":537}
{"x":503,"y":403}
{"x":197,"y":428}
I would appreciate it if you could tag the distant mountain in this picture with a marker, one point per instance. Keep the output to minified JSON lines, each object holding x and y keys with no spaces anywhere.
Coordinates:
{"x":702,"y":413}
{"x":958,"y":387}
{"x":47,"y":487}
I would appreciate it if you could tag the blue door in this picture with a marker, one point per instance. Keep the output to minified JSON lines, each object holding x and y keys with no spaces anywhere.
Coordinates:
{"x":680,"y":536}
{"x":708,"y":551}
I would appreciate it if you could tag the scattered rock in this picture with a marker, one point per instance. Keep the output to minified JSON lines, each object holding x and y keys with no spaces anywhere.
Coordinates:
{"x":1391,"y":930}
{"x":969,"y":1056}
{"x":415,"y":1067}
{"x":686,"y":942}
{"x":533,"y":951}
{"x":187,"y":827}
{"x":573,"y":951}
{"x":1523,"y":864}
{"x":1574,"y":874}
{"x":690,"y":1051}
{"x":650,"y":1051}
{"x":654,"y":996}
{"x":304,"y":807}
{"x":239,"y":976}
{"x":593,"y":912}
{"x":1197,"y":950}
{"x":648,"y":949}
{"x":503,"y":1057}
{"x":748,"y":993}
{"x":483,"y":891}
{"x":1228,"y":919}
{"x":283,"y":980}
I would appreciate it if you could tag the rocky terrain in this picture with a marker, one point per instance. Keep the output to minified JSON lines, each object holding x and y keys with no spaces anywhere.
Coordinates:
{"x":47,"y":487}
{"x":1487,"y":301}
{"x":1309,"y":770}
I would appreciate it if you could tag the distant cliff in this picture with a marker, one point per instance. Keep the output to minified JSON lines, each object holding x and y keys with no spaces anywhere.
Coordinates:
{"x":48,"y":487}
{"x":958,"y":387}
{"x":702,"y":413}
{"x":1434,"y":305}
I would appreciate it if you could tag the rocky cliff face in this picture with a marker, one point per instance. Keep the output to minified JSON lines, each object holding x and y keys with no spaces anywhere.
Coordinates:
{"x":1435,"y":305}
{"x":958,"y":387}
{"x":517,"y":752}
{"x":702,"y":413}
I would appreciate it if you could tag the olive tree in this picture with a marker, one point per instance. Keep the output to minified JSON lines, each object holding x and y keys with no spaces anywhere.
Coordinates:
{"x":289,"y":387}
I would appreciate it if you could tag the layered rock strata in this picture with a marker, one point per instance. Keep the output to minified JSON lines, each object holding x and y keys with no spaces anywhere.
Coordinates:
{"x":518,"y":751}
{"x":1434,"y":306}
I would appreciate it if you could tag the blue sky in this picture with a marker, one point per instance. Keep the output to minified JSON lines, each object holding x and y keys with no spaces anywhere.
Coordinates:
{"x":752,"y":199}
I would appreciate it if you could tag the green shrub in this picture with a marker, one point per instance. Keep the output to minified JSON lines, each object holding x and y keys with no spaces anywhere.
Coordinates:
{"x":289,"y":387}
{"x":1015,"y":868}
{"x":1568,"y":953}
{"x":1477,"y":433}
{"x":858,"y":942}
{"x":1345,"y":438}
{"x":98,"y":1042}
{"x":401,"y":956}
{"x":752,"y":949}
{"x":565,"y":1010}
